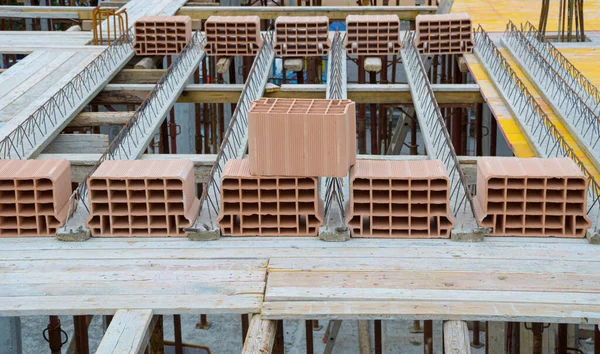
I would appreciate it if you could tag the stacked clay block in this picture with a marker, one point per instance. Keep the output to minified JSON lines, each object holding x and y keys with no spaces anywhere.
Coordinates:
{"x":302,"y":36}
{"x":301,"y":137}
{"x":232,"y":35}
{"x":161,"y":35}
{"x":372,"y":34}
{"x":444,"y":34}
{"x":531,"y":197}
{"x":268,"y":206}
{"x":142,"y":198}
{"x":34,"y":196}
{"x":399,"y":199}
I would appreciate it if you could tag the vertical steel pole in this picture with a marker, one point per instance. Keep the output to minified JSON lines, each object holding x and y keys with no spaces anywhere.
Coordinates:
{"x":309,"y":336}
{"x":428,"y":337}
{"x":177,"y":334}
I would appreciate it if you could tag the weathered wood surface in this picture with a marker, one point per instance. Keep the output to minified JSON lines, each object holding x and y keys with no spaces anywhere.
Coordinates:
{"x":456,"y":338}
{"x":128,"y":333}
{"x":23,"y":42}
{"x":516,"y":279}
{"x":260,"y":337}
{"x":81,"y":143}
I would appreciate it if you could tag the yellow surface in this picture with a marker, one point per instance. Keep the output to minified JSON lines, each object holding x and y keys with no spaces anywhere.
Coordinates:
{"x":557,"y":122}
{"x":508,"y":125}
{"x":493,"y":15}
{"x":585,"y":60}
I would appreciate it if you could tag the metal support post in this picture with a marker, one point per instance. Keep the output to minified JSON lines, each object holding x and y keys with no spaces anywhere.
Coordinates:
{"x":309,"y":336}
{"x":378,"y":339}
{"x":428,"y":337}
{"x":80,"y":329}
{"x":245,"y":324}
{"x":177,"y":334}
{"x":476,"y":335}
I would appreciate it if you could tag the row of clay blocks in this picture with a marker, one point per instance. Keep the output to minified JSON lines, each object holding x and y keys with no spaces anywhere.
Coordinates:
{"x":444,"y":34}
{"x":161,"y":35}
{"x":34,"y":196}
{"x":232,"y":36}
{"x":399,"y":199}
{"x":532,"y":197}
{"x":142,"y":198}
{"x":290,"y":144}
{"x":268,"y":206}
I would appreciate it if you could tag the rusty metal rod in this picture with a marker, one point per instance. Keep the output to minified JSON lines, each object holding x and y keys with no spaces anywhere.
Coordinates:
{"x":245,"y":324}
{"x":177,"y":334}
{"x":80,"y":331}
{"x":428,"y":337}
{"x":308,"y":325}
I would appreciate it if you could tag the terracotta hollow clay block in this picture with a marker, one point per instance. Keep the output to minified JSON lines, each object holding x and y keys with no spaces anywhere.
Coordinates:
{"x":161,"y":35}
{"x":142,"y":198}
{"x":444,"y":34}
{"x":302,"y":36}
{"x":34,"y":196}
{"x":399,"y":199}
{"x":372,"y":34}
{"x":538,"y":197}
{"x":301,"y":138}
{"x":232,"y":36}
{"x":268,"y":206}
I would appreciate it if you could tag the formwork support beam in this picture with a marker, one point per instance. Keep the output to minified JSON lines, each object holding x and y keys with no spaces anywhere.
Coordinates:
{"x":261,"y":336}
{"x":128,"y":332}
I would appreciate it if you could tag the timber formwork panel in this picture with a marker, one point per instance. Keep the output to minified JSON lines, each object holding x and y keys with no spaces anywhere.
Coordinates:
{"x":532,"y":197}
{"x":33,"y":196}
{"x":302,"y":36}
{"x":444,"y":34}
{"x":142,"y":198}
{"x":162,"y":35}
{"x":268,"y":206}
{"x":301,"y":137}
{"x":232,"y":36}
{"x":372,"y":34}
{"x":399,"y":199}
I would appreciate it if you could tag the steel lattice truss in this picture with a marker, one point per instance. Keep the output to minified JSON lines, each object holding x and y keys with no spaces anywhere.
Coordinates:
{"x":435,"y":134}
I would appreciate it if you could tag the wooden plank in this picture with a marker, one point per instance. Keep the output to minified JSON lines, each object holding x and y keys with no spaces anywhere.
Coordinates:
{"x":229,"y":93}
{"x":333,"y":13}
{"x":456,"y":338}
{"x":99,"y":119}
{"x":260,"y":337}
{"x":138,"y":76}
{"x":130,"y":287}
{"x":83,"y":143}
{"x":108,"y":304}
{"x":383,"y":264}
{"x":431,"y":310}
{"x":392,"y":283}
{"x":128,"y":333}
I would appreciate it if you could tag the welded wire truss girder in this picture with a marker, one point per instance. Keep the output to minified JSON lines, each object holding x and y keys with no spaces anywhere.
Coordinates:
{"x":576,"y":80}
{"x":25,"y":138}
{"x":336,"y":90}
{"x":438,"y":141}
{"x":540,"y":129}
{"x":584,"y":122}
{"x":132,"y":140}
{"x":235,"y":140}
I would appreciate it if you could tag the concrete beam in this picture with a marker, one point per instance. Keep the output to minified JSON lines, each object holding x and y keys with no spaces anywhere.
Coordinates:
{"x":446,"y":94}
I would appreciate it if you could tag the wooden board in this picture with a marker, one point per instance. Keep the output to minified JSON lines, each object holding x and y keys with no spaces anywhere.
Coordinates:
{"x":520,"y":279}
{"x":22,"y":42}
{"x":128,"y":333}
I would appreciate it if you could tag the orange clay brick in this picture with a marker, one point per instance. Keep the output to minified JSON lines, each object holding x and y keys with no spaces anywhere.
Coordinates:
{"x":232,"y":35}
{"x":399,"y":199}
{"x":34,"y":196}
{"x":539,"y":197}
{"x":161,"y":35}
{"x":142,"y":198}
{"x":268,"y":206}
{"x":372,"y":34}
{"x":444,"y":34}
{"x":302,"y":36}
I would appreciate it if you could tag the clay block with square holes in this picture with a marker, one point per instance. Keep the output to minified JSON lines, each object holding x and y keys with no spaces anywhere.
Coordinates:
{"x":444,"y":34}
{"x":538,"y":197}
{"x":399,"y":199}
{"x":289,"y":137}
{"x":34,"y":196}
{"x":302,"y":36}
{"x":142,"y":198}
{"x":372,"y":34}
{"x":268,"y":206}
{"x":232,"y":36}
{"x":161,"y":35}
